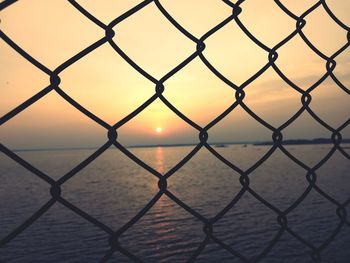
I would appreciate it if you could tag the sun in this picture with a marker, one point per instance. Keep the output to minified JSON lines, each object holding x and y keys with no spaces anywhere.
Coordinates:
{"x":159,"y":130}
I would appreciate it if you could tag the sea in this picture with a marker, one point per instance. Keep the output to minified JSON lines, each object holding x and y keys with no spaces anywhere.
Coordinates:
{"x":113,"y":189}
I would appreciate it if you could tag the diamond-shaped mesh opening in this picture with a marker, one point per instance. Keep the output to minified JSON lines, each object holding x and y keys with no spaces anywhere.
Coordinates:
{"x":117,"y":195}
{"x":234,"y":139}
{"x":269,"y":16}
{"x":105,"y":93}
{"x":272,"y":99}
{"x":290,"y":249}
{"x":332,"y":177}
{"x":272,"y":186}
{"x":292,"y":64}
{"x":304,"y":122}
{"x":153,"y":46}
{"x":18,"y":201}
{"x":334,"y":115}
{"x":144,"y":127}
{"x":318,"y":223}
{"x":318,"y":33}
{"x":64,"y":35}
{"x":15,"y":88}
{"x":235,"y":227}
{"x":235,"y":47}
{"x":32,"y":244}
{"x":162,"y":234}
{"x":65,"y":128}
{"x":198,"y":184}
{"x":207,"y":93}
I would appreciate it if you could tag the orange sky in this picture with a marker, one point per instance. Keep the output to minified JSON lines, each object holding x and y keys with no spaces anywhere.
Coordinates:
{"x":53,"y":31}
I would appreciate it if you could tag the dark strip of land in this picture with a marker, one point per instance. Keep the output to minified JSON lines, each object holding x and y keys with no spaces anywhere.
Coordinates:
{"x":304,"y":142}
{"x":216,"y":144}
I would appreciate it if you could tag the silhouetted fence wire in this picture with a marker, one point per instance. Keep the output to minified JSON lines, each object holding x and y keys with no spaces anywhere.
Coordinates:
{"x":112,"y":134}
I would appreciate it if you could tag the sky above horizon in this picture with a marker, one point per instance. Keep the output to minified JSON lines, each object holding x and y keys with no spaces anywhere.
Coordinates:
{"x":102,"y":82}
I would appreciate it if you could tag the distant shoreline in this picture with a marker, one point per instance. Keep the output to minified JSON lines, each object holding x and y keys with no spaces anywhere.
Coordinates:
{"x":217,"y":144}
{"x":188,"y":144}
{"x":303,"y":142}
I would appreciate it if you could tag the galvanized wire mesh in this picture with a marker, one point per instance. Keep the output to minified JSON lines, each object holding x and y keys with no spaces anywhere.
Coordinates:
{"x":112,"y":130}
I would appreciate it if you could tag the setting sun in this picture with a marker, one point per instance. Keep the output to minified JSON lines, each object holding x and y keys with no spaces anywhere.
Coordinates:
{"x":159,"y":129}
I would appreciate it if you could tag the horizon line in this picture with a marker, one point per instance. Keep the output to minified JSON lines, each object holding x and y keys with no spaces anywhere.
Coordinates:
{"x":255,"y":143}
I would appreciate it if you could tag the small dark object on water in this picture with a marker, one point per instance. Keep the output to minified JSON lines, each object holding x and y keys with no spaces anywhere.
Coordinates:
{"x":221,"y":145}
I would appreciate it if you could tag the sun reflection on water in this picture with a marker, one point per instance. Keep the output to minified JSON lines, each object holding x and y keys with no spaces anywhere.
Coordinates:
{"x":160,"y":160}
{"x":164,"y":208}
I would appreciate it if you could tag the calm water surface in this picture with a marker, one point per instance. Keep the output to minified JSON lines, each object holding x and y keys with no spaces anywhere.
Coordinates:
{"x":113,"y":189}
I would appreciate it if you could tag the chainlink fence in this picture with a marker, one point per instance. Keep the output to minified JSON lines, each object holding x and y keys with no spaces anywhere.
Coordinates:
{"x":112,"y":130}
